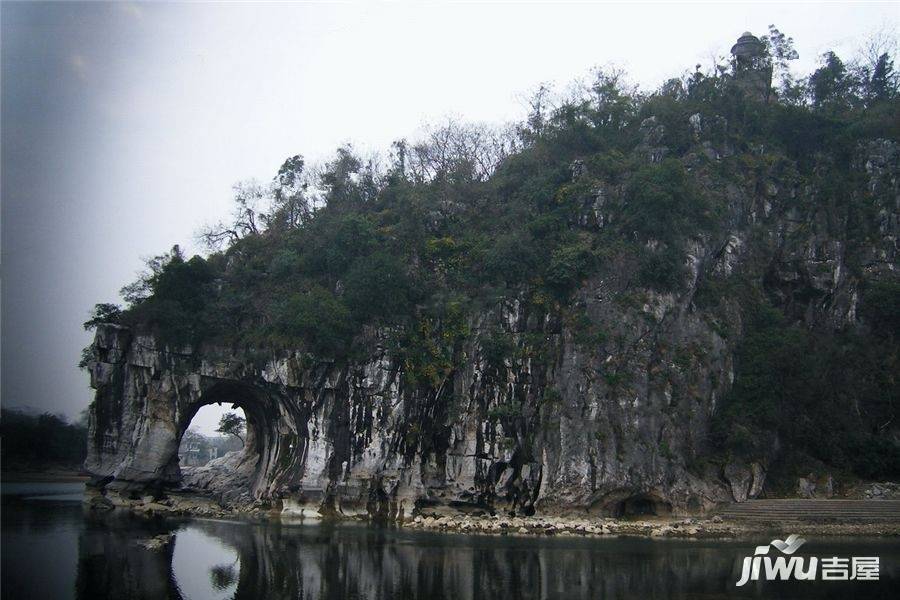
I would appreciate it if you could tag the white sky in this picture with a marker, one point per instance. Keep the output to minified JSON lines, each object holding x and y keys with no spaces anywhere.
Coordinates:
{"x":207,"y":418}
{"x":125,"y":125}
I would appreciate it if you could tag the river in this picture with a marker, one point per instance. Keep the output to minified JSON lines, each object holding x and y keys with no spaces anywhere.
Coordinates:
{"x":52,"y":548}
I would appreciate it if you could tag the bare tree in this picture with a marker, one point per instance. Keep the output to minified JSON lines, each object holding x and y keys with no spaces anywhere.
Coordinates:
{"x":458,"y":151}
{"x":540,"y":106}
{"x":874,"y":69}
{"x":250,"y":199}
{"x":884,"y":41}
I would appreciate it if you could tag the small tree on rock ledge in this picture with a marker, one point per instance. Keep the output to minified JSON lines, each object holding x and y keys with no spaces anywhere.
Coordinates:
{"x":232,"y":423}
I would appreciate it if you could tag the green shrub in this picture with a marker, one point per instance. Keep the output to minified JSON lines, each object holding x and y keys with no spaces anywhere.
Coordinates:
{"x":497,"y":347}
{"x":662,"y":203}
{"x":377,"y":287}
{"x":825,"y":395}
{"x":318,"y":318}
{"x":569,"y":264}
{"x":662,"y":270}
{"x":880,"y":306}
{"x":335,"y":241}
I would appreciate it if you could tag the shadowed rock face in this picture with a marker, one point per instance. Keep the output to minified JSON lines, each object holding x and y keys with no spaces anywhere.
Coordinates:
{"x":605,"y":426}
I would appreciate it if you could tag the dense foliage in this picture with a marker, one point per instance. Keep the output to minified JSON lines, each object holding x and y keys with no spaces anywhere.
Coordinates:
{"x":828,"y":396}
{"x":414,"y":244}
{"x":41,"y":441}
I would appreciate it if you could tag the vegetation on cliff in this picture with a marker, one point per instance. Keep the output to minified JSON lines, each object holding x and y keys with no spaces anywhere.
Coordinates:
{"x":414,"y":245}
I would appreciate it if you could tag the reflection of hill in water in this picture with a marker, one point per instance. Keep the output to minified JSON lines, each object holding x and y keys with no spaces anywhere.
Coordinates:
{"x":277,"y":561}
{"x":346,"y":562}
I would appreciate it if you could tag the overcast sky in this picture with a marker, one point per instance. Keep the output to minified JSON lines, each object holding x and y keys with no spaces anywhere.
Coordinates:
{"x":125,"y":125}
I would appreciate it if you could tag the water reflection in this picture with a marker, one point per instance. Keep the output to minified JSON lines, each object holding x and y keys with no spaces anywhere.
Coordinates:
{"x":275,"y":561}
{"x":236,"y":560}
{"x":112,"y":564}
{"x":222,"y":577}
{"x":203,"y":567}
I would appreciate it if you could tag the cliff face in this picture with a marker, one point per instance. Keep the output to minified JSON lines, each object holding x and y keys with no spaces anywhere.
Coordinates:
{"x":357,"y":439}
{"x":607,"y":411}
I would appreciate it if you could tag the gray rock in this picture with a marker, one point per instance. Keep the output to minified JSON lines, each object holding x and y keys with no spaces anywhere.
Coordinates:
{"x":158,"y":542}
{"x":101,"y":503}
{"x":806,"y":487}
{"x":759,"y":479}
{"x":740,"y":478}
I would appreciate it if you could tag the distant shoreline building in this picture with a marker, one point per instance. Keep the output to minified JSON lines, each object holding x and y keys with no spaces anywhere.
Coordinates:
{"x":197,"y":452}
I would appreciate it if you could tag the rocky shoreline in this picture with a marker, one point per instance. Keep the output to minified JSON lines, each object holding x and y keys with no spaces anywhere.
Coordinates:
{"x":707,"y":527}
{"x":689,"y":527}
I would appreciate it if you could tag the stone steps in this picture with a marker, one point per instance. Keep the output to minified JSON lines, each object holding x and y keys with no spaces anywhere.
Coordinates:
{"x":813,"y":510}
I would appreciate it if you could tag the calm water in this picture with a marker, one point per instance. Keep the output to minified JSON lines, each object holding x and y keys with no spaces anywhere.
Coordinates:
{"x":51,"y":548}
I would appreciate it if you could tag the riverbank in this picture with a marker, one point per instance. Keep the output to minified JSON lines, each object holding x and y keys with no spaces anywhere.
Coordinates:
{"x":707,"y":527}
{"x":712,"y":527}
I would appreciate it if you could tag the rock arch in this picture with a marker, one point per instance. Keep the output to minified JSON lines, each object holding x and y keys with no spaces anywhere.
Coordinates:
{"x":145,"y":400}
{"x":322,"y":438}
{"x":236,"y":473}
{"x":357,"y":438}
